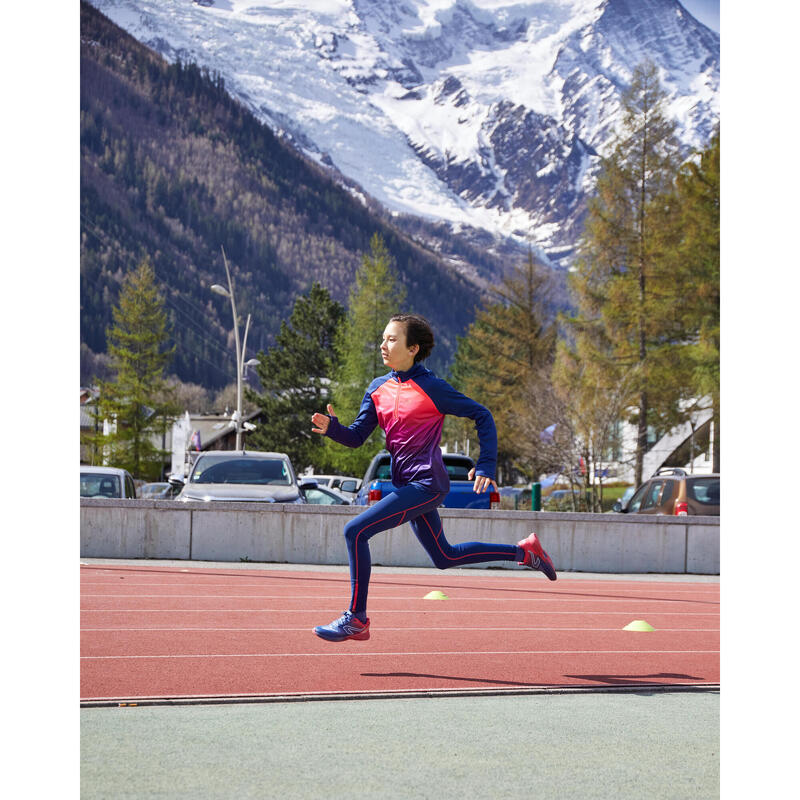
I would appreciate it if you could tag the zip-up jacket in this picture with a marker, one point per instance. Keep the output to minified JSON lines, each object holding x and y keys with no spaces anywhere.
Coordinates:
{"x":410,"y":407}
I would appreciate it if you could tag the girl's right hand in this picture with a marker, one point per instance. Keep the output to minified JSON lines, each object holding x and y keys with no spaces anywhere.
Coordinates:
{"x":322,"y":421}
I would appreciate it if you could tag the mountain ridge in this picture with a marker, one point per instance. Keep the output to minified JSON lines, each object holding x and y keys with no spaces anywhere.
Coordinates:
{"x":174,"y":168}
{"x":427,"y":104}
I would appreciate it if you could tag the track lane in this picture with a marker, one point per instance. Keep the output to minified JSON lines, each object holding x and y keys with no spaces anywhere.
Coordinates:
{"x":155,"y":632}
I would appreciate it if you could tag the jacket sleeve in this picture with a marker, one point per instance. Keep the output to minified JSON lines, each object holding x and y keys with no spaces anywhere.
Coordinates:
{"x":355,"y":435}
{"x":450,"y":401}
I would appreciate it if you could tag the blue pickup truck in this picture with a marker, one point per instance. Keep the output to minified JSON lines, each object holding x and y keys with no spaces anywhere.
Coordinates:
{"x":378,"y":481}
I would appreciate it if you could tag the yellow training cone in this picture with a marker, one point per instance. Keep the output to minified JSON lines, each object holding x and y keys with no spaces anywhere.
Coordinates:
{"x":638,"y":625}
{"x":437,"y":595}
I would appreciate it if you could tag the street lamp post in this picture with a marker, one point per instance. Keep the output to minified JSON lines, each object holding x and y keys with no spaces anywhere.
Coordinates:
{"x":240,"y":350}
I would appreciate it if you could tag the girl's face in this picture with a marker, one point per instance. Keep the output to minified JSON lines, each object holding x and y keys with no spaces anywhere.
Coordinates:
{"x":396,"y":353}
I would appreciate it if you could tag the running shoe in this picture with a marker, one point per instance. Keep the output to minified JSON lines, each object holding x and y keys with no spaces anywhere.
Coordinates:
{"x":535,"y":556}
{"x":348,"y":626}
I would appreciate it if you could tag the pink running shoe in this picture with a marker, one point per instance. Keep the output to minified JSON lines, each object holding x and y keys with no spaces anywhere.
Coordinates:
{"x":535,"y":556}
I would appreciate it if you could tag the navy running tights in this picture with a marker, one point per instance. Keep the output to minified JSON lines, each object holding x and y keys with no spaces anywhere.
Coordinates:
{"x":417,"y":506}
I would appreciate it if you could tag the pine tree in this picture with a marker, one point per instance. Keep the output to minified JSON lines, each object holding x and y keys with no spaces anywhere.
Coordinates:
{"x":137,"y":405}
{"x":295,"y":376}
{"x":621,"y":283}
{"x":374,"y":298}
{"x":697,"y":266}
{"x":502,"y":359}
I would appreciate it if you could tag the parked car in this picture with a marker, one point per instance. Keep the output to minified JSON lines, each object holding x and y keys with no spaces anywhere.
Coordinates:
{"x":241,"y":476}
{"x":346,"y":484}
{"x":676,"y":492}
{"x":378,"y":481}
{"x":322,"y":495}
{"x":107,"y":482}
{"x":158,"y":491}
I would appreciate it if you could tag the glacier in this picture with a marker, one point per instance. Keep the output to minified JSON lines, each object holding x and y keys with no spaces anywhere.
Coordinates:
{"x":487,"y":114}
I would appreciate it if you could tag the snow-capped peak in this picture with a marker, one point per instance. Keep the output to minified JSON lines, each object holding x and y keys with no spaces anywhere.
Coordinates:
{"x":487,"y":113}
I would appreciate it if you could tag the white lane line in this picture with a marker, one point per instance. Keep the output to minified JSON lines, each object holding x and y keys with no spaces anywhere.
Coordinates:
{"x":411,"y":587}
{"x":553,"y":599}
{"x":334,"y":610}
{"x":406,"y":653}
{"x":432,"y":628}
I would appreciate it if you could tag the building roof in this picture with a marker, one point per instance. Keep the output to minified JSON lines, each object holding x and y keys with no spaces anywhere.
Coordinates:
{"x":213,"y":426}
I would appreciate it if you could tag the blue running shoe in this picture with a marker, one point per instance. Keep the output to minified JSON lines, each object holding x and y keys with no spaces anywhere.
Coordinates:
{"x":348,"y":626}
{"x":535,"y":556}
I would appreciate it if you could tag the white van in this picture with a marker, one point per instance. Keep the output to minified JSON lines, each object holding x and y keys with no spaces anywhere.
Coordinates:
{"x":107,"y":482}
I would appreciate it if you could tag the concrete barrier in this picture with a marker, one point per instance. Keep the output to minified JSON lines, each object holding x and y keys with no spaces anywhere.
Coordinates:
{"x":308,"y":534}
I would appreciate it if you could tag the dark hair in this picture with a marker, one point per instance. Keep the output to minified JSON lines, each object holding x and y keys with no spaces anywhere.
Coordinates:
{"x":418,"y":331}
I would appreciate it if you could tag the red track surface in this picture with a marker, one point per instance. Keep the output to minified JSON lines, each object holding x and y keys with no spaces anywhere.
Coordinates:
{"x":173,"y":632}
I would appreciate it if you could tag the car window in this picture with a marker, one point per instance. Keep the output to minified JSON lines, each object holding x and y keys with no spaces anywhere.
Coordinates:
{"x":636,"y":500}
{"x":703,"y":490}
{"x":257,"y":471}
{"x":96,"y":484}
{"x":384,"y":471}
{"x":651,"y":496}
{"x":154,"y":490}
{"x":319,"y":498}
{"x":130,"y":487}
{"x":666,"y":495}
{"x":458,"y":472}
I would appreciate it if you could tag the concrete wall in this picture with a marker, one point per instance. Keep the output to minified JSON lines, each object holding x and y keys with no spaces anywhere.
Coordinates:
{"x":308,"y":534}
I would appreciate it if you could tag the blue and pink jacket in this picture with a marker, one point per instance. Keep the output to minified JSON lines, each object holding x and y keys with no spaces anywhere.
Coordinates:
{"x":410,"y":407}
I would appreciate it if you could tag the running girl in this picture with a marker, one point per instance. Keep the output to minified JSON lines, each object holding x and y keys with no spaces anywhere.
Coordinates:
{"x":410,"y":403}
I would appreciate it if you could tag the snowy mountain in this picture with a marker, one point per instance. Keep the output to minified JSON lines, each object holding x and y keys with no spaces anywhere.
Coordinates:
{"x":487,"y":114}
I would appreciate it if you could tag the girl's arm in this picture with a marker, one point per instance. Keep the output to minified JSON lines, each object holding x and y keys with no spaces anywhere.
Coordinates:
{"x":353,"y":435}
{"x":450,"y":401}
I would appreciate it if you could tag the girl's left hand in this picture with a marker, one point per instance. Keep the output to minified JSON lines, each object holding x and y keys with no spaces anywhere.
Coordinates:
{"x":482,"y":483}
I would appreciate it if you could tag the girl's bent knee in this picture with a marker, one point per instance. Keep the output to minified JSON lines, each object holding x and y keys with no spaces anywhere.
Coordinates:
{"x":351,"y":530}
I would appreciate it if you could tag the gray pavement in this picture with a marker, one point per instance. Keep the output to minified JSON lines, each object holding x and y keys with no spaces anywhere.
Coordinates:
{"x":621,"y":745}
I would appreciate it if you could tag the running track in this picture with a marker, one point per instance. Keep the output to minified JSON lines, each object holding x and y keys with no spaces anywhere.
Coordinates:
{"x":191,"y":634}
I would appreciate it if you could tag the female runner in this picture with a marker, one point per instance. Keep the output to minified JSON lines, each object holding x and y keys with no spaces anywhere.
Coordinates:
{"x":410,"y":403}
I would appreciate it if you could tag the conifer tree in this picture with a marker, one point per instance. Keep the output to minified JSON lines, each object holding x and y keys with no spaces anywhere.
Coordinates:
{"x":503,"y":358}
{"x":620,"y":283}
{"x":136,"y":404}
{"x":374,"y":298}
{"x":295,"y":376}
{"x":697,"y":270}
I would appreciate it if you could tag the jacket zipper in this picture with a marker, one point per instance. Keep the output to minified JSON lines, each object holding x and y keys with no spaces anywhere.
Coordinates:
{"x":396,"y":414}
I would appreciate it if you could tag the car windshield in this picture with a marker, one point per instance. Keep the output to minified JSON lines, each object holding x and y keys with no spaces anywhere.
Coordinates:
{"x":95,"y":484}
{"x":636,"y":500}
{"x":258,"y":471}
{"x":704,"y":490}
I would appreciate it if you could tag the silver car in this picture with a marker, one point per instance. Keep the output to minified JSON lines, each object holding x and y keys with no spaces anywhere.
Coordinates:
{"x":322,"y":495}
{"x":346,"y":484}
{"x":241,"y":476}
